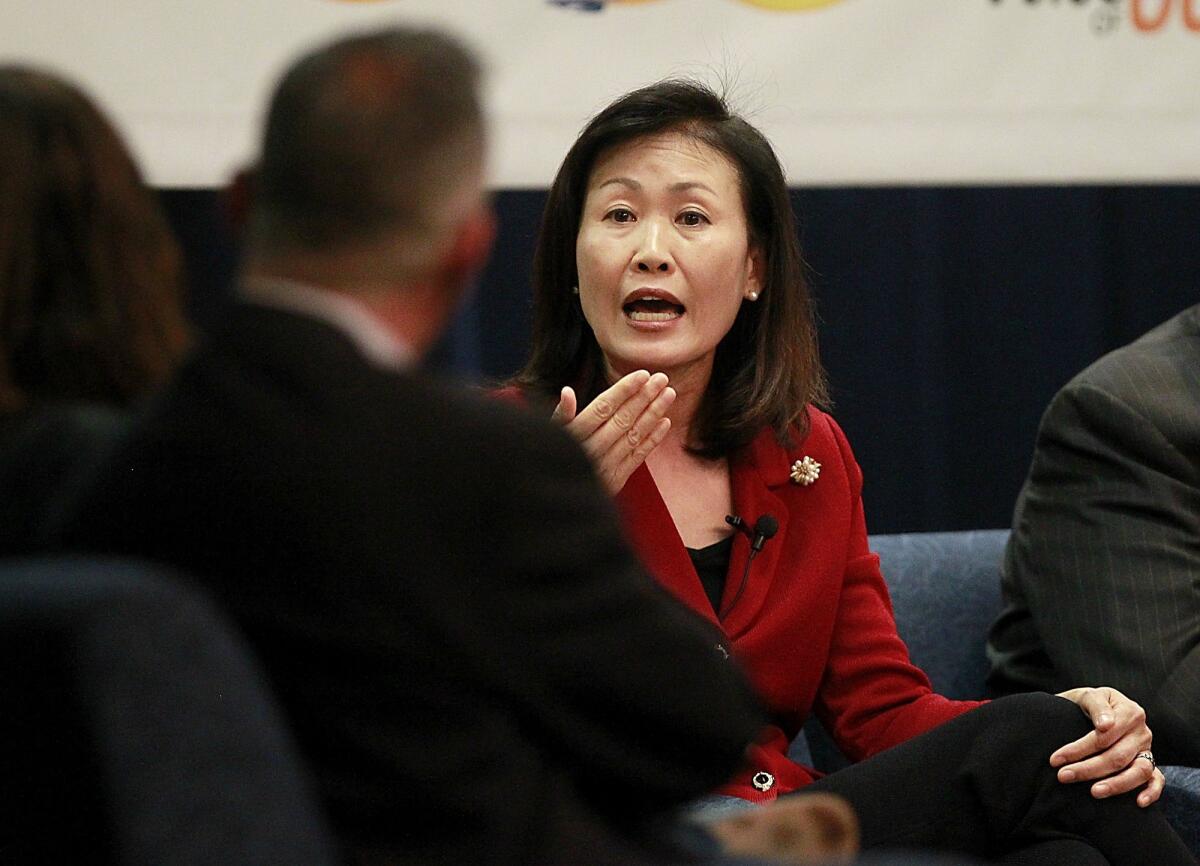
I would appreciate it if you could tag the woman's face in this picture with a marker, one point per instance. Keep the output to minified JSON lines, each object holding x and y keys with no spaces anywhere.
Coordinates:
{"x":663,"y":256}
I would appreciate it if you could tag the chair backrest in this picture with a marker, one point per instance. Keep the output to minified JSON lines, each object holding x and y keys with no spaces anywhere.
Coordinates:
{"x":945,"y":590}
{"x":137,"y":729}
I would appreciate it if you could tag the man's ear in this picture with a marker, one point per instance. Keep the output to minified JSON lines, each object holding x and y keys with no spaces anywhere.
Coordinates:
{"x":237,"y":199}
{"x":472,"y":244}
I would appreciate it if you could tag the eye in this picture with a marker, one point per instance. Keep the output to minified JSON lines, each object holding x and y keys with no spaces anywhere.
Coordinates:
{"x":620,"y":215}
{"x":692,"y":218}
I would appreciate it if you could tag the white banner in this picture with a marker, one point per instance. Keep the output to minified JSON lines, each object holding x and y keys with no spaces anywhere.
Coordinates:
{"x":850,"y":91}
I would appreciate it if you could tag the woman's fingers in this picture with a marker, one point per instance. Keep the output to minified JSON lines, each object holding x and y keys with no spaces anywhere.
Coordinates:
{"x":564,"y":412}
{"x":608,"y":403}
{"x":647,"y":423}
{"x":620,"y":428}
{"x":622,"y":465}
{"x":616,"y":465}
{"x":615,"y":424}
{"x":1138,"y":774}
{"x":1153,"y":790}
{"x":1104,"y":705}
{"x":1118,"y":723}
{"x":1115,"y":751}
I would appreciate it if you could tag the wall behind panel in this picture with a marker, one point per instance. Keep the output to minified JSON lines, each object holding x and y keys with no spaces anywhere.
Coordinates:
{"x":949,"y":316}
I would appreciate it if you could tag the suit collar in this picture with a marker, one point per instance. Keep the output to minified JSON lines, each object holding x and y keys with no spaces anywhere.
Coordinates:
{"x":340,"y":311}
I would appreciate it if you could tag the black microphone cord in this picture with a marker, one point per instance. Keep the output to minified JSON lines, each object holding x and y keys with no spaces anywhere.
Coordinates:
{"x":765,"y":527}
{"x":741,"y":586}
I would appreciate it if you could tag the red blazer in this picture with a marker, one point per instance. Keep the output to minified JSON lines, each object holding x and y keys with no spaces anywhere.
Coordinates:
{"x":814,"y":626}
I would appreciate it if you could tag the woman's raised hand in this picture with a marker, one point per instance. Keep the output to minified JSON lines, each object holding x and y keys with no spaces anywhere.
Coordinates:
{"x":620,"y":428}
{"x":1116,"y":752}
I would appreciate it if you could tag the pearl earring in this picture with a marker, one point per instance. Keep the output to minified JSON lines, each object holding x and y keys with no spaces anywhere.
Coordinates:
{"x":574,"y":290}
{"x":752,"y":296}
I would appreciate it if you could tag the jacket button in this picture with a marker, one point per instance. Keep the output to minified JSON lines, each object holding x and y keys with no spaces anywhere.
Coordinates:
{"x":763,"y":780}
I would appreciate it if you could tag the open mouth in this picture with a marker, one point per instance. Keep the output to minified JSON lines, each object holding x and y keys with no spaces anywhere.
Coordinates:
{"x":652,"y":308}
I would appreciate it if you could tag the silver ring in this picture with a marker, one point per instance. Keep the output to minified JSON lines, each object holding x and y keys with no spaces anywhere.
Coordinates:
{"x":1149,"y":756}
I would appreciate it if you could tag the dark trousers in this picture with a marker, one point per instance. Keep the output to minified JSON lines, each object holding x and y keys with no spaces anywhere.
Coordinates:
{"x":982,"y":785}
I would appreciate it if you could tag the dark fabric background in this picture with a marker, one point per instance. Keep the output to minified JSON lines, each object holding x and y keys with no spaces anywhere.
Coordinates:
{"x":949,"y":317}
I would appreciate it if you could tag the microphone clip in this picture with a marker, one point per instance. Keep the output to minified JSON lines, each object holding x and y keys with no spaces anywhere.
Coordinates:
{"x":764,"y":528}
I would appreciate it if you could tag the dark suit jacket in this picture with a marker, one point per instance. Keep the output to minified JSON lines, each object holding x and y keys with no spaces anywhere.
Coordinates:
{"x":47,"y":454}
{"x":469,"y":655}
{"x":1102,"y":574}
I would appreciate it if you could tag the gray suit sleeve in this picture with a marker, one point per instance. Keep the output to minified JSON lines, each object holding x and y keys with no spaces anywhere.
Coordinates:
{"x":1106,"y":548}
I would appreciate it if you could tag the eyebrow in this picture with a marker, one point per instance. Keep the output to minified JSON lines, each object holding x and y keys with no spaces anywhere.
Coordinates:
{"x":681,"y":186}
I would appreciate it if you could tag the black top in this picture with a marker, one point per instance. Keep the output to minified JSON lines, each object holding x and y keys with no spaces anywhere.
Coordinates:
{"x":712,"y":562}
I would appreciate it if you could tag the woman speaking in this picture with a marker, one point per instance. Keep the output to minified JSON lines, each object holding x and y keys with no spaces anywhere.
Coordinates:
{"x":670,"y":301}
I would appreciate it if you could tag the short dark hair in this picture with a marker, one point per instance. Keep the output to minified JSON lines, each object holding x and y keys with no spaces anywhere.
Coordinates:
{"x":360,"y":137}
{"x":90,"y":274}
{"x":767,"y":369}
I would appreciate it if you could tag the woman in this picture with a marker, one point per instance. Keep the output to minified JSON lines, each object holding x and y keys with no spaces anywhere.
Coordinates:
{"x":90,"y":287}
{"x":668,"y":247}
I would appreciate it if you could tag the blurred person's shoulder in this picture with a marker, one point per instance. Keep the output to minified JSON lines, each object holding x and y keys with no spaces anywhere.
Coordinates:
{"x":504,"y":424}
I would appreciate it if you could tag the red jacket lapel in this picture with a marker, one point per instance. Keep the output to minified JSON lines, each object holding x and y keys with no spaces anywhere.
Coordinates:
{"x":651,"y":530}
{"x":754,"y":475}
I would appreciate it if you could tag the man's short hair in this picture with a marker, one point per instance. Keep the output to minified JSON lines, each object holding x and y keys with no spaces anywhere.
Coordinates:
{"x":367,"y":136}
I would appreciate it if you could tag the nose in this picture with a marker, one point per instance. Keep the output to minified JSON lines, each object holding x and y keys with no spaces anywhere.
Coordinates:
{"x":652,"y":254}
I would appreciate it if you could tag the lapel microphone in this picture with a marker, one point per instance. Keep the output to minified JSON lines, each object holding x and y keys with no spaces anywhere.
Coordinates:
{"x":765,"y":527}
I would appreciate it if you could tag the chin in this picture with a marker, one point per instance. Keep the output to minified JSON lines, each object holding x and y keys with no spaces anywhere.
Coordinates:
{"x":654,"y":362}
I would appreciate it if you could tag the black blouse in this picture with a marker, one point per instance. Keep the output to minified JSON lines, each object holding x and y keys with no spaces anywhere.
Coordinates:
{"x":712,"y":563}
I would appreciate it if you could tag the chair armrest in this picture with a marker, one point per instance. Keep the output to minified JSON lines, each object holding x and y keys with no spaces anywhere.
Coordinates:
{"x":1181,"y":803}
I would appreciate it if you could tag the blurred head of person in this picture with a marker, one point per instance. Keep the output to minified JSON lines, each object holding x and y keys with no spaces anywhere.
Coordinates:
{"x":668,"y":242}
{"x":371,"y":176}
{"x":90,"y":274}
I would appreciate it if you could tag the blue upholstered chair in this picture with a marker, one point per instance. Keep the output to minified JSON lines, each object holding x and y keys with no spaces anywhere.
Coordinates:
{"x":945,"y":589}
{"x":136,"y":729}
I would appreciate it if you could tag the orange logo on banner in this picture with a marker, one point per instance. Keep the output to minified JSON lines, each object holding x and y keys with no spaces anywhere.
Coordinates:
{"x":1148,"y":21}
{"x":1150,"y":17}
